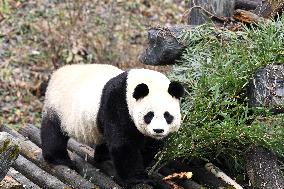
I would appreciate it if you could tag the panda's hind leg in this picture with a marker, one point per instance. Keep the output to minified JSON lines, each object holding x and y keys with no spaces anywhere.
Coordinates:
{"x":101,"y":153}
{"x":54,"y":141}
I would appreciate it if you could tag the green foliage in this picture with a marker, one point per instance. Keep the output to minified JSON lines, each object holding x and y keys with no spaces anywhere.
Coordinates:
{"x":216,"y":68}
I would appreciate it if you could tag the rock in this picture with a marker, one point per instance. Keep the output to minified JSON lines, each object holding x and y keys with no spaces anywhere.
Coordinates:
{"x":267,"y":88}
{"x":163,"y":48}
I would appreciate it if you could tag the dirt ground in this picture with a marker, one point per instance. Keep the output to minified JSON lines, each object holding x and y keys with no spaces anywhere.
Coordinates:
{"x":37,"y":36}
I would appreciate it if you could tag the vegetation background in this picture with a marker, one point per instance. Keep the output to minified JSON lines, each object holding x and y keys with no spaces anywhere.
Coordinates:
{"x":37,"y":36}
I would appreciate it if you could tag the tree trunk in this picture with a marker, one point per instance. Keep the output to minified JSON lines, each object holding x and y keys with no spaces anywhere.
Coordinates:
{"x":202,"y":11}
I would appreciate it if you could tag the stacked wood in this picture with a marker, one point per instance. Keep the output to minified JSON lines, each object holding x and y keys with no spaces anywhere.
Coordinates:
{"x":31,"y":171}
{"x":32,"y":133}
{"x":33,"y":153}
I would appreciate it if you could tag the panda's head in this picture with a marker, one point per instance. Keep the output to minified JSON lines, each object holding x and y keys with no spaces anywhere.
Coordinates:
{"x":153,"y":102}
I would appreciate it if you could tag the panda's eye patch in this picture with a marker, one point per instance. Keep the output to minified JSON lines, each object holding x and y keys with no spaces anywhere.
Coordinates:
{"x":169,"y":118}
{"x":148,"y":117}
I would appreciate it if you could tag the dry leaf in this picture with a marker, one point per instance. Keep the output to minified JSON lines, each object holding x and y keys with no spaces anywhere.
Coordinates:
{"x":181,"y":175}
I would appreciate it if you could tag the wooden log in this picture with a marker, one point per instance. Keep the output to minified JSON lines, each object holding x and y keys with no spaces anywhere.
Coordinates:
{"x":84,"y":151}
{"x":16,"y":175}
{"x":33,"y":153}
{"x":263,"y":169}
{"x":84,"y":168}
{"x":163,"y":46}
{"x":9,"y":150}
{"x":201,"y":11}
{"x":37,"y":175}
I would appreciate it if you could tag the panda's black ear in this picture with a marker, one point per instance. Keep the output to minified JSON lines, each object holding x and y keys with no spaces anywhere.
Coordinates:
{"x":176,"y":89}
{"x":140,"y":91}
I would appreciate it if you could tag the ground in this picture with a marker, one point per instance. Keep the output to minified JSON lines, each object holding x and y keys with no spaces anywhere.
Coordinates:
{"x":37,"y":36}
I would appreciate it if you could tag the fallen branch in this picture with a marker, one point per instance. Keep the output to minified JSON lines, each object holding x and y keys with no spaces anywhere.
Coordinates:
{"x":16,"y":175}
{"x":220,"y":174}
{"x":33,"y":153}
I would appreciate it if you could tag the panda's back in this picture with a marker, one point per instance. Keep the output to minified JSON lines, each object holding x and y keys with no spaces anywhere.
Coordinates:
{"x":74,"y":93}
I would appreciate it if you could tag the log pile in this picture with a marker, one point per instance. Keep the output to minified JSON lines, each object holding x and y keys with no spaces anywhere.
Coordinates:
{"x":29,"y":170}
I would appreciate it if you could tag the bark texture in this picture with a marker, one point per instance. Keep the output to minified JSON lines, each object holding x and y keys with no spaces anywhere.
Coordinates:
{"x":263,"y":170}
{"x":9,"y":150}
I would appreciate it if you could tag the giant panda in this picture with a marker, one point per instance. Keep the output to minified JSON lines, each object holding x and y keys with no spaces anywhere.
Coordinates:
{"x":125,"y":114}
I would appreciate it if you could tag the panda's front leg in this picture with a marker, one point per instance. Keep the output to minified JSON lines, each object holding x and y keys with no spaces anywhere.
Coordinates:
{"x":129,"y":166}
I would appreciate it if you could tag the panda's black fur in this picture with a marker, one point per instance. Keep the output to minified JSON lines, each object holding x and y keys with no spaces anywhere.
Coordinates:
{"x":129,"y":149}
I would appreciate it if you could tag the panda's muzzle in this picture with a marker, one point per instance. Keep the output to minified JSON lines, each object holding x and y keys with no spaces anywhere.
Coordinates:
{"x":158,"y":131}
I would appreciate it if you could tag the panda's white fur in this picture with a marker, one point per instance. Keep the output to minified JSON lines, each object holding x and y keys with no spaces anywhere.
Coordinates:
{"x":75,"y":91}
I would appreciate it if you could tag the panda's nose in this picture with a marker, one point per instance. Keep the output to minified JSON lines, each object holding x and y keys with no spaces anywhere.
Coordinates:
{"x":158,"y":130}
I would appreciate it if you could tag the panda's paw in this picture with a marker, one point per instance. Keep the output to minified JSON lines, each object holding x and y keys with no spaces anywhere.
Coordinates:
{"x":67,"y":162}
